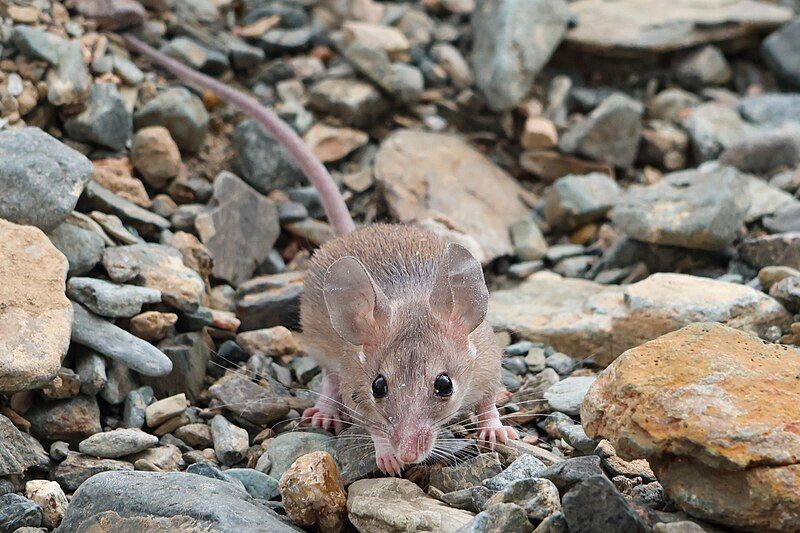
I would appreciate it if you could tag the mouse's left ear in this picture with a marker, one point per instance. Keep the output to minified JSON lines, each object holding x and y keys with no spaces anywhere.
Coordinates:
{"x":459,"y":295}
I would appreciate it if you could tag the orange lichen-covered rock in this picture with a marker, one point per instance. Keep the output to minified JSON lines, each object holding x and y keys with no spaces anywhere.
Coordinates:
{"x":313,"y":493}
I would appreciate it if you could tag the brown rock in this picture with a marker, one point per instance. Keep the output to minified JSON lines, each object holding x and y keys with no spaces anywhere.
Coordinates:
{"x":195,"y":254}
{"x":152,"y":325}
{"x":70,"y":420}
{"x":155,"y":155}
{"x":551,"y":165}
{"x":77,"y":468}
{"x":425,"y":174}
{"x":116,"y":176}
{"x":112,"y":14}
{"x":272,"y":342}
{"x":250,"y":401}
{"x":313,"y":493}
{"x":586,"y":319}
{"x":332,"y":144}
{"x":51,"y":499}
{"x":35,"y":315}
{"x":539,"y":133}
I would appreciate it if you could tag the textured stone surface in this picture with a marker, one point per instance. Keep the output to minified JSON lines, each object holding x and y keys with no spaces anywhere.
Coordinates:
{"x":117,"y":443}
{"x":389,"y":505}
{"x":262,"y":162}
{"x":105,"y":121}
{"x":110,"y":299}
{"x":49,"y":496}
{"x":426,"y":174}
{"x":576,"y":200}
{"x":312,"y":492}
{"x":41,"y":178}
{"x":181,"y":112}
{"x":18,"y":451}
{"x":595,"y":505}
{"x":582,"y":318}
{"x":35,"y":316}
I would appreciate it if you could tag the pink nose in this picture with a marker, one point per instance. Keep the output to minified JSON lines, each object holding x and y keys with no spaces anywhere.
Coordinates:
{"x":409,"y":456}
{"x":412,"y":447}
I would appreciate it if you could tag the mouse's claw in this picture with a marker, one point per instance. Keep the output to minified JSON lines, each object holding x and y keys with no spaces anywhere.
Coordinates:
{"x":491,"y":436}
{"x":323,"y":416}
{"x":389,"y":465}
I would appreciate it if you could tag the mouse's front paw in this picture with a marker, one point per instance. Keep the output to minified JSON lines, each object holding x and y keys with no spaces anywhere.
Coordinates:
{"x":496,"y":433}
{"x":389,"y":464}
{"x":323,"y":416}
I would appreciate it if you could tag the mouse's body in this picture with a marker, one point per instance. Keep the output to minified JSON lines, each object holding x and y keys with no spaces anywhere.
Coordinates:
{"x":425,"y":321}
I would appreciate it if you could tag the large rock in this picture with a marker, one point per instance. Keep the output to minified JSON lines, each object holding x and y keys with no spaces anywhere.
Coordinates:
{"x":262,"y":161}
{"x":19,"y":451}
{"x":641,"y":27}
{"x":159,"y":267}
{"x":715,"y":410}
{"x":513,"y":39}
{"x":389,"y":505}
{"x":71,"y":420}
{"x":239,"y":228}
{"x":582,"y":318}
{"x":41,"y":178}
{"x":105,"y":121}
{"x":167,"y":502}
{"x":428,"y":175}
{"x":699,"y":209}
{"x":35,"y":316}
{"x":771,"y":108}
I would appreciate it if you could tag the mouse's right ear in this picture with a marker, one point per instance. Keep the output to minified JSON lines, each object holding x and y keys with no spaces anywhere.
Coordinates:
{"x":357,"y":307}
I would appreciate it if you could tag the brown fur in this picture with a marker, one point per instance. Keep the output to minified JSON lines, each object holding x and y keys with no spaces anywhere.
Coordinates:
{"x":403,"y":261}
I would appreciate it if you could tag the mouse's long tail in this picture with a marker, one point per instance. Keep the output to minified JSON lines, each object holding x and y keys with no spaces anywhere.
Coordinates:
{"x":332,"y":201}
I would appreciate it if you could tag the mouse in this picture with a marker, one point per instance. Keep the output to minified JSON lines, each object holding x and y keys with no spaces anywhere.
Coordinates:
{"x":394,"y":315}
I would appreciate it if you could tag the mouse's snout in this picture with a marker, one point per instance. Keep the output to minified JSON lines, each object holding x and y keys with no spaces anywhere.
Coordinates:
{"x":413,"y":446}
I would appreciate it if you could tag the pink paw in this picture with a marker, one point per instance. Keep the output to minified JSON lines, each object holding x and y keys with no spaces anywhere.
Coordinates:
{"x":389,"y":465}
{"x":490,"y":436}
{"x":323,"y":416}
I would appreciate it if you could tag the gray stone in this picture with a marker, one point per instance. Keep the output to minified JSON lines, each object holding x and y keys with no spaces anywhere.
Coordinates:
{"x":82,"y":248}
{"x":181,"y":112}
{"x":135,"y":407}
{"x":780,"y":51}
{"x":287,"y":447}
{"x":117,"y":443}
{"x":671,"y":104}
{"x":712,"y":128}
{"x":190,"y":354}
{"x":110,"y":299}
{"x":560,"y":362}
{"x":169,"y":502}
{"x":527,"y":239}
{"x":512,"y":42}
{"x":526,"y":466}
{"x":261,"y":161}
{"x":572,"y":471}
{"x":566,"y":395}
{"x":764,"y":151}
{"x":239,"y":228}
{"x":145,"y":222}
{"x":19,"y":451}
{"x":41,"y":178}
{"x":257,"y":484}
{"x":355,"y":102}
{"x":403,"y":82}
{"x":782,"y":249}
{"x":771,"y":108}
{"x":159,"y":267}
{"x":127,"y":70}
{"x":698,"y":209}
{"x":257,"y":404}
{"x":116,"y":343}
{"x":196,"y":55}
{"x":574,"y":201}
{"x":595,"y":505}
{"x":77,"y":468}
{"x":609,"y":133}
{"x":105,"y":121}
{"x":36,"y":43}
{"x":785,"y":218}
{"x":539,"y":497}
{"x":779,"y":208}
{"x":69,"y":420}
{"x":121,"y":382}
{"x":230,"y":442}
{"x":69,"y":82}
{"x":467,"y":474}
{"x":555,"y":523}
{"x":210,"y":471}
{"x":706,"y":66}
{"x":500,"y":518}
{"x":17,"y":512}
{"x":164,"y":409}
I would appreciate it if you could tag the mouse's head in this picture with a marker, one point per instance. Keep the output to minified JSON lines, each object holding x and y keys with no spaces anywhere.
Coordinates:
{"x":413,"y":371}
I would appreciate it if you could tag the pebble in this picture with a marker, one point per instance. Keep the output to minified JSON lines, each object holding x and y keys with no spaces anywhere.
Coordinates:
{"x":104,"y":121}
{"x":52,"y":500}
{"x":466,"y":474}
{"x":162,"y":410}
{"x":527,"y":239}
{"x":287,"y":447}
{"x":266,"y":403}
{"x":778,"y":50}
{"x":595,"y":505}
{"x":355,"y":102}
{"x":261,"y":161}
{"x":560,"y":362}
{"x":135,"y":407}
{"x":566,"y":395}
{"x":73,"y":471}
{"x":17,"y":512}
{"x":36,"y":43}
{"x":574,"y":201}
{"x":526,"y":466}
{"x":117,"y":443}
{"x":180,"y":112}
{"x":230,"y":442}
{"x":706,"y":66}
{"x":109,"y":299}
{"x":206,"y":470}
{"x":155,"y":155}
{"x":313,"y":494}
{"x":539,"y":498}
{"x":18,"y":453}
{"x":572,"y":471}
{"x":499,"y":518}
{"x":121,"y":381}
{"x":68,"y":82}
{"x":152,"y":325}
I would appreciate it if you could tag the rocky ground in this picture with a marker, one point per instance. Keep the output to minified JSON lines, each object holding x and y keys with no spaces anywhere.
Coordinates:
{"x":627,"y":171}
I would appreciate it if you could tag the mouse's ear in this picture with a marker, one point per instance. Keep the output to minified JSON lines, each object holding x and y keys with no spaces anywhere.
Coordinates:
{"x":460,"y":295}
{"x":356,"y":305}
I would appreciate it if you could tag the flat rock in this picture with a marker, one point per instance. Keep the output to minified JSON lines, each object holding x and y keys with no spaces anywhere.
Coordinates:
{"x":41,"y":178}
{"x":574,"y":201}
{"x":117,"y":443}
{"x":539,"y":497}
{"x":699,"y":209}
{"x":782,"y":249}
{"x":771,"y":108}
{"x":595,"y":505}
{"x":566,"y":395}
{"x":526,"y":466}
{"x":263,"y":163}
{"x":512,"y":42}
{"x":636,"y":28}
{"x":355,"y":102}
{"x":586,"y":319}
{"x":168,"y":502}
{"x":181,"y":112}
{"x":427,"y":174}
{"x":389,"y":505}
{"x":466,"y":474}
{"x":77,"y":468}
{"x":83,"y":248}
{"x":230,"y":442}
{"x":105,"y":121}
{"x":35,"y":316}
{"x":500,"y":518}
{"x":116,"y":343}
{"x":36,"y":44}
{"x":239,"y":228}
{"x":159,"y":267}
{"x":110,"y":299}
{"x":707,"y":391}
{"x":257,"y":404}
{"x":69,"y":420}
{"x":19,"y":451}
{"x":145,"y":222}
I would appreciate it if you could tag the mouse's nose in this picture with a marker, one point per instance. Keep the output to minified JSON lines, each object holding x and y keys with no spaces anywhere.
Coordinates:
{"x":414,"y":447}
{"x":409,"y":456}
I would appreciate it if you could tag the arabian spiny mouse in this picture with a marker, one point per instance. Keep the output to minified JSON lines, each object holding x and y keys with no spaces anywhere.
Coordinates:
{"x":394,"y":315}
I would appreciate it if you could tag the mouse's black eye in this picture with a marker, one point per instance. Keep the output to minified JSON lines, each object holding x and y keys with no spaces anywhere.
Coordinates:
{"x":379,"y":387}
{"x":443,"y":385}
